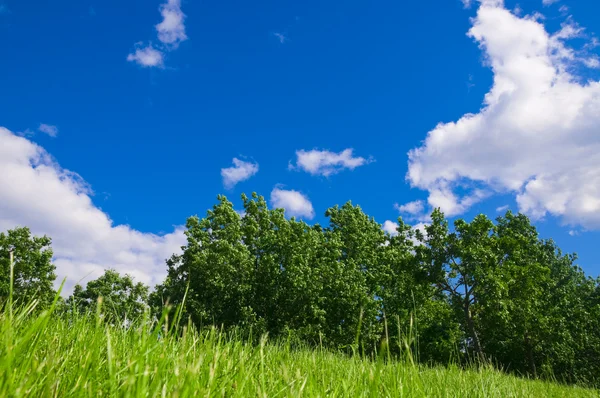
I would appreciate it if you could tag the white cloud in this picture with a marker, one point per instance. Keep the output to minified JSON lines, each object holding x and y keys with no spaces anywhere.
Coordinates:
{"x":535,"y":136}
{"x":412,"y":208}
{"x":52,"y":131}
{"x":36,"y":192}
{"x":295,"y":203}
{"x":549,"y":2}
{"x":502,"y":209}
{"x":573,"y":232}
{"x":592,"y":62}
{"x":241,"y":171}
{"x":447,"y":201}
{"x":390,"y":227}
{"x":147,"y":57}
{"x":171,"y":30}
{"x":467,"y":3}
{"x":326,"y":163}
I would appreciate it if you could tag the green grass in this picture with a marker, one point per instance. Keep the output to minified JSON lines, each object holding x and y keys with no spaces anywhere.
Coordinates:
{"x":47,"y":356}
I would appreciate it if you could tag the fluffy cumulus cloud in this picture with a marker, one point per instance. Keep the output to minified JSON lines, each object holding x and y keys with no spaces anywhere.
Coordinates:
{"x":240,"y":171}
{"x":326,"y":163}
{"x":170,"y":32}
{"x":536,"y":134}
{"x":295,"y":203}
{"x":52,"y":131}
{"x":84,"y":239}
{"x":147,"y":57}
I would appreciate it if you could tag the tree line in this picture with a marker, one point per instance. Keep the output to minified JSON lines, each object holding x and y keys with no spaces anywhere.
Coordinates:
{"x":482,"y":290}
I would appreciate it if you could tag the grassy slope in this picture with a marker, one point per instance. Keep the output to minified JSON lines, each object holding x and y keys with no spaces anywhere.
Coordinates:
{"x":52,"y":357}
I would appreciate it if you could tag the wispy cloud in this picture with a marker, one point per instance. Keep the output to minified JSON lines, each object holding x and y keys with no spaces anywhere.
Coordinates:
{"x":295,"y":203}
{"x":240,"y":171}
{"x":52,"y":131}
{"x":281,"y":37}
{"x":326,"y":163}
{"x":517,"y":10}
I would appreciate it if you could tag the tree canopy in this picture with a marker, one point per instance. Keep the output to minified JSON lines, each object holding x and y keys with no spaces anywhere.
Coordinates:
{"x":33,"y":269}
{"x":122,"y":298}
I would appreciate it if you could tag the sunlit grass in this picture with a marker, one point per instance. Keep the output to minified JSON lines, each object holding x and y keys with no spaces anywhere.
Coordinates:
{"x":51,"y":356}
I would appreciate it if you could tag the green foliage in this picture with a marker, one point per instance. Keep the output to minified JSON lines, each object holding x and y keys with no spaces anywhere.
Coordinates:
{"x":33,"y":269}
{"x":458,"y":264}
{"x":354,"y":280}
{"x":121,"y":298}
{"x":265,"y":273}
{"x":524,"y":305}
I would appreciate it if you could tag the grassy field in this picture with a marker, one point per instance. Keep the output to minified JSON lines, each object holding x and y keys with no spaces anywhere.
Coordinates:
{"x":45,"y":356}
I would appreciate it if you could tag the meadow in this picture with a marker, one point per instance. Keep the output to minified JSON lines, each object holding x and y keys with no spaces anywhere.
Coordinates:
{"x":50,"y":355}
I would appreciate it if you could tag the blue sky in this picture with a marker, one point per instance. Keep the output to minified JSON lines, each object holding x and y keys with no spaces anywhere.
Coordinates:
{"x":109,"y":152}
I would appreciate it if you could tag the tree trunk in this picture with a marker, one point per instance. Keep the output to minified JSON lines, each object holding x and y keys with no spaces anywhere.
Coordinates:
{"x":472,"y":330}
{"x":471,"y":325}
{"x":529,"y":349}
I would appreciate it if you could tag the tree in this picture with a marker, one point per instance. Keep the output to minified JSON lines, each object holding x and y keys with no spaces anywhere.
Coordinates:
{"x":354,"y":278}
{"x":458,"y":264}
{"x":271,"y":274}
{"x":122,"y":298}
{"x":412,"y":305}
{"x":513,"y":312}
{"x":290,"y":258}
{"x":569,"y":348}
{"x":216,"y":269}
{"x":260,"y":272}
{"x":33,"y":269}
